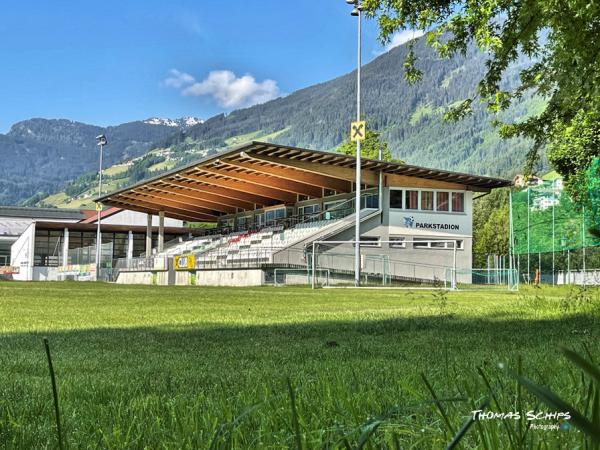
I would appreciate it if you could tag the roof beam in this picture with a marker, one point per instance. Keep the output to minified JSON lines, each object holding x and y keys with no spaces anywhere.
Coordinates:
{"x":198,"y":213}
{"x":270,"y":182}
{"x":244,"y":186}
{"x":284,"y":171}
{"x":209,"y":207}
{"x":230,"y":194}
{"x":182,"y":190}
{"x":341,"y":173}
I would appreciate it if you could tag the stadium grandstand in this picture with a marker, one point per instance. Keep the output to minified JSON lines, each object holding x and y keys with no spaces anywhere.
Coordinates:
{"x":263,"y":207}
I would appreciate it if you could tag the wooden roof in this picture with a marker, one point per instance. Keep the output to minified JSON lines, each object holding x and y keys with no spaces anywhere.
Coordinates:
{"x":260,"y":173}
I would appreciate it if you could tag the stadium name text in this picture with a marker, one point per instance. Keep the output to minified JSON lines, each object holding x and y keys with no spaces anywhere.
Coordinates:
{"x":437,"y":226}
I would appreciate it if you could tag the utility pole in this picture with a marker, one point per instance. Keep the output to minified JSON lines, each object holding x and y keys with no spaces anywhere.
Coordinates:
{"x":101,"y":142}
{"x":356,"y":12}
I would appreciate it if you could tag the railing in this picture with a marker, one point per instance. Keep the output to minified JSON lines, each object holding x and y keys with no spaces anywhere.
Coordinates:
{"x":249,"y":258}
{"x":158,"y":263}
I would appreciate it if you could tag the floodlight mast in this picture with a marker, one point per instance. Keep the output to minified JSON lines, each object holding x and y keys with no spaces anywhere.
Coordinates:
{"x":101,"y":139}
{"x":357,"y":12}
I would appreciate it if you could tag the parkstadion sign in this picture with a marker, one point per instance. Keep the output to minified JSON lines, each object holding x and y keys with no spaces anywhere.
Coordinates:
{"x":410,"y":222}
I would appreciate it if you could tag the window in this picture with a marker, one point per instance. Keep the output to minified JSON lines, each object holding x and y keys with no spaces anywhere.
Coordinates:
{"x":328,"y":192}
{"x":396,"y":199}
{"x":425,"y":243}
{"x":459,"y":244}
{"x":370,"y":201}
{"x":369,"y":241}
{"x":458,"y":202}
{"x":412,"y":199}
{"x":397,"y":242}
{"x":441,"y":201}
{"x":421,"y":243}
{"x":308,"y":210}
{"x":427,"y":200}
{"x":331,"y":205}
{"x":272,"y":215}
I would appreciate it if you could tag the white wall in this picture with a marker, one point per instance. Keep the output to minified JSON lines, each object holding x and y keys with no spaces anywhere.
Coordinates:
{"x":136,"y":218}
{"x":21,"y":254}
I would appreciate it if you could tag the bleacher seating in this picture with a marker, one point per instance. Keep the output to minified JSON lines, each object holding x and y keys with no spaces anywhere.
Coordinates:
{"x":242,"y":248}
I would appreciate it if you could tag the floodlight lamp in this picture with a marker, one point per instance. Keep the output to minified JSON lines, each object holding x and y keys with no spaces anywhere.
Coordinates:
{"x":101,"y":139}
{"x":355,"y":12}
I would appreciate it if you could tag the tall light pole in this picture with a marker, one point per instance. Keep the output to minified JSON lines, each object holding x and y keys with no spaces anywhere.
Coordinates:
{"x":101,"y":142}
{"x":356,"y":12}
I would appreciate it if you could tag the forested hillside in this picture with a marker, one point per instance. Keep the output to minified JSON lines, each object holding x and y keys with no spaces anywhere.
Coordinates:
{"x":410,"y":117}
{"x":40,"y":156}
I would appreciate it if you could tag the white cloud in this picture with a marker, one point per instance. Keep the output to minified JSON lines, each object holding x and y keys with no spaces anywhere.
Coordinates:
{"x":399,"y":38}
{"x":177,"y":79}
{"x":227,"y":89}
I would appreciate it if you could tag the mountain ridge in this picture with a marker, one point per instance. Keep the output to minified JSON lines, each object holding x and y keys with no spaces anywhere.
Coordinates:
{"x":410,"y":119}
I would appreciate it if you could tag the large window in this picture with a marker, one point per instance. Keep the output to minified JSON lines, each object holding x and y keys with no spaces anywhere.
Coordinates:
{"x":274,"y":214}
{"x":442,"y":201}
{"x":396,"y":199}
{"x":458,"y":202}
{"x":412,"y":199}
{"x":48,"y":247}
{"x":427,"y":200}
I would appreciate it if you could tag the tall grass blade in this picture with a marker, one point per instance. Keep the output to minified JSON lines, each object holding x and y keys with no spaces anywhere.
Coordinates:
{"x":295,"y":422}
{"x":438,"y":404}
{"x":54,"y":394}
{"x":552,"y":400}
{"x":367,"y":433}
{"x":588,"y":367}
{"x":461,"y":433}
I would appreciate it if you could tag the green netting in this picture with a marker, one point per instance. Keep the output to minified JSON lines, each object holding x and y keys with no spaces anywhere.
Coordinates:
{"x":592,"y":178}
{"x":545,"y":219}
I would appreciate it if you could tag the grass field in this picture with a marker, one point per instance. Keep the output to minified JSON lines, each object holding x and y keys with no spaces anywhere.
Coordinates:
{"x":190,"y":367}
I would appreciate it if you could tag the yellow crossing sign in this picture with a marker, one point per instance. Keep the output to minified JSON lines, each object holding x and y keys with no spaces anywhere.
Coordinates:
{"x":358,"y":131}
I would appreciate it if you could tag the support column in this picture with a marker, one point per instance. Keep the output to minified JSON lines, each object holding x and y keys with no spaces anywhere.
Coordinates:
{"x":130,"y":245}
{"x":65,"y":249}
{"x":149,"y":237}
{"x":161,"y":231}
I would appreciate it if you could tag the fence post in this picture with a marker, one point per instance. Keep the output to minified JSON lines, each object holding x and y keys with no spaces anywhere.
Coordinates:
{"x":313,"y":261}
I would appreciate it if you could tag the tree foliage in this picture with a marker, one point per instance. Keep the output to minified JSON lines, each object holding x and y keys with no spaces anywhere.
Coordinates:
{"x":369,"y":147}
{"x":560,"y":38}
{"x":575,"y":146}
{"x":490,"y":226}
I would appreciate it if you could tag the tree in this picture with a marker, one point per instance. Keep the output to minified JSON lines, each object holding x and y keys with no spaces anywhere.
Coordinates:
{"x":560,"y":38}
{"x":369,"y":147}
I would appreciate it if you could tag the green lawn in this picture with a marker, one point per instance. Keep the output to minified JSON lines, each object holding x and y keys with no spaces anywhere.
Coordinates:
{"x":181,"y":367}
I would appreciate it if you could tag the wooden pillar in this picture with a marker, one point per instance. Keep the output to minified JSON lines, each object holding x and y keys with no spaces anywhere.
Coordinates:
{"x":149,"y":237}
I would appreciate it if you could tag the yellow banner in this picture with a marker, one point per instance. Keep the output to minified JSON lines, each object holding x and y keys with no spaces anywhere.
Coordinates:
{"x":184,"y":262}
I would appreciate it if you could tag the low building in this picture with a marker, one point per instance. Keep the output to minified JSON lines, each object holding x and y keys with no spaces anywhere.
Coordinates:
{"x":49,"y":244}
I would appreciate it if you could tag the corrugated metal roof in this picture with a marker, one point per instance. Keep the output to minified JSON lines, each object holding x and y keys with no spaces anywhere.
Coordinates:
{"x":41,"y":213}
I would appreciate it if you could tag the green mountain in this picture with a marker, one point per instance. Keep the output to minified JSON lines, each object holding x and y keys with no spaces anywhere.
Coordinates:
{"x":409,"y":117}
{"x":40,"y":156}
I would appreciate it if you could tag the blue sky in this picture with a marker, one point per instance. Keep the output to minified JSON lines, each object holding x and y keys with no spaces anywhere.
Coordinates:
{"x":111,"y":62}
